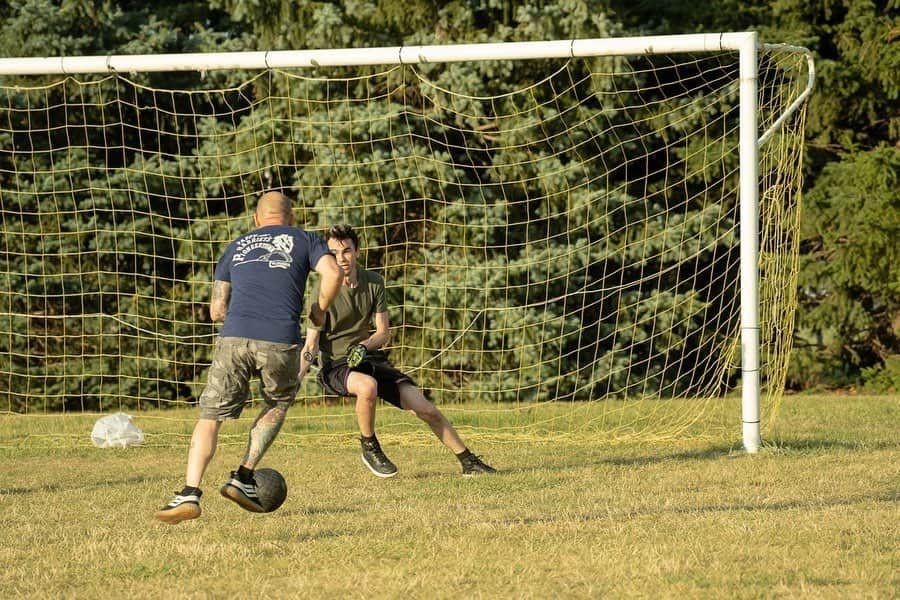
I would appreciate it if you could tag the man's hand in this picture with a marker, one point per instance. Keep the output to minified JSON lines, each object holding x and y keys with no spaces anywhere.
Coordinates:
{"x":316,"y":315}
{"x":356,"y":354}
{"x":307,"y":358}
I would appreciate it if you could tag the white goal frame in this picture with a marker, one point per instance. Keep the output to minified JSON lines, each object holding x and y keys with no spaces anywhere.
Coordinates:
{"x":745,"y":43}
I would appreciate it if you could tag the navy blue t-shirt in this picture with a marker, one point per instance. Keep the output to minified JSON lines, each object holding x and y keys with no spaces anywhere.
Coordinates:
{"x":267,"y":270}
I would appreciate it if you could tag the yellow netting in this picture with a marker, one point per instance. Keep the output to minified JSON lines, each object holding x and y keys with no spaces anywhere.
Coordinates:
{"x":569,"y":244}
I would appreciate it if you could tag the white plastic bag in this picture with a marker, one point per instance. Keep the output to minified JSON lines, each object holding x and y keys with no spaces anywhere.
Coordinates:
{"x":116,"y":431}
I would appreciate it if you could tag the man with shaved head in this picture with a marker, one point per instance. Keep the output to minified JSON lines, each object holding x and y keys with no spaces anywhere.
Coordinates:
{"x":258,"y":290}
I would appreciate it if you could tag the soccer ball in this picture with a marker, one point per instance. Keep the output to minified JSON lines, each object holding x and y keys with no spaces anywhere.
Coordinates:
{"x":271,"y":487}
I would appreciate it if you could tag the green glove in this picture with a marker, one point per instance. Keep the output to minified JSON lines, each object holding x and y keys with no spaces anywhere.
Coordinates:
{"x":355,"y":355}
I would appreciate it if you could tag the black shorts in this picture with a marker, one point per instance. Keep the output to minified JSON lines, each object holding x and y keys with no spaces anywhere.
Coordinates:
{"x":333,"y":377}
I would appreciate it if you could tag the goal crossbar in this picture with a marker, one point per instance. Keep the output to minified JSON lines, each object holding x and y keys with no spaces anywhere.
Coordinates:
{"x":66,"y":65}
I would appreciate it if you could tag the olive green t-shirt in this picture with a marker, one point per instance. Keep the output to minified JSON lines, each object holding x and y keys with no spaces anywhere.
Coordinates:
{"x":349,"y":318}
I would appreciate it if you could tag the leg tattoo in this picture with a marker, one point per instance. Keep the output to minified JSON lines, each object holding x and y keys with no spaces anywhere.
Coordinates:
{"x":262,"y":434}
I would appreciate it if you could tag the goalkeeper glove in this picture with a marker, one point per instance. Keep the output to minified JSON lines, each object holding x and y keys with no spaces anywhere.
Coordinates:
{"x":355,"y":355}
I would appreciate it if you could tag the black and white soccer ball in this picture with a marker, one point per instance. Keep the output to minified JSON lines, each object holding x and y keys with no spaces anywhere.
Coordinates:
{"x":271,"y":487}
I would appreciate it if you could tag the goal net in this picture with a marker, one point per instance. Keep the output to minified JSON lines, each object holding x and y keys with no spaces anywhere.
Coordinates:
{"x":572,"y":241}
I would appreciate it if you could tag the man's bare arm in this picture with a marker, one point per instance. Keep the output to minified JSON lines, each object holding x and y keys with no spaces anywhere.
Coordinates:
{"x":382,"y":334}
{"x":329,"y":285}
{"x":218,"y":304}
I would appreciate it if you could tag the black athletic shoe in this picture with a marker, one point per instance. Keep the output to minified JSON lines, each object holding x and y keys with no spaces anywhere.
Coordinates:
{"x":244,"y":494}
{"x":473,"y":465}
{"x":374,"y":458}
{"x":181,"y":508}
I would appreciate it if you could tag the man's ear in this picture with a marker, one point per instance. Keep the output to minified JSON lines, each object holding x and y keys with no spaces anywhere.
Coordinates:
{"x":256,"y":219}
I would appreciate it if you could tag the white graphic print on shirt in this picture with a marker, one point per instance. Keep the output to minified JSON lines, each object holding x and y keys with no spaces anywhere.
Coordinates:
{"x":275,"y":250}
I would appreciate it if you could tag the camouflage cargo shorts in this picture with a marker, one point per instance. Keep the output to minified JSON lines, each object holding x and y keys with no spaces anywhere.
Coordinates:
{"x":235,"y":362}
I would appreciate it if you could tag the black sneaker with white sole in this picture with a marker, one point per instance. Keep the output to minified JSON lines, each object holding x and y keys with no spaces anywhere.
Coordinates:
{"x":374,"y":458}
{"x":473,"y":465}
{"x":242,"y":493}
{"x":183,"y":507}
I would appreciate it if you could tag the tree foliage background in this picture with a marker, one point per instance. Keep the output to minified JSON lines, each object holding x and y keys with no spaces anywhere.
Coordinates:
{"x":849,"y":321}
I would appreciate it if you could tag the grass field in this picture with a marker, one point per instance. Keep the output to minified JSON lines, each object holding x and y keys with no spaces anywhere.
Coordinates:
{"x":816,"y":514}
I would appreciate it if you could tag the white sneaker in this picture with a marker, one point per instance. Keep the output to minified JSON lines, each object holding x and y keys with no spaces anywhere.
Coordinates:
{"x":181,"y":508}
{"x":244,"y":494}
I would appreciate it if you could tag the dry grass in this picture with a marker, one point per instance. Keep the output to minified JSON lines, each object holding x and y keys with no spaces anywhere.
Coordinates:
{"x":816,"y":514}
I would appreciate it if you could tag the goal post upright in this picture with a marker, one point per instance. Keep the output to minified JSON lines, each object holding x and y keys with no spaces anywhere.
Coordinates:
{"x":749,"y":255}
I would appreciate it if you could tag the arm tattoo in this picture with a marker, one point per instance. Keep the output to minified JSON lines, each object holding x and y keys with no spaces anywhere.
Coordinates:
{"x":218,"y":304}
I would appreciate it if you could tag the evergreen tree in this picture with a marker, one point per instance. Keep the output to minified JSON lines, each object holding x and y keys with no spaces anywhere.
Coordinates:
{"x":849,"y":318}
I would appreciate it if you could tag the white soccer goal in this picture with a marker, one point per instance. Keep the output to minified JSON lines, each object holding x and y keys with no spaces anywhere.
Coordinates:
{"x":609,"y":238}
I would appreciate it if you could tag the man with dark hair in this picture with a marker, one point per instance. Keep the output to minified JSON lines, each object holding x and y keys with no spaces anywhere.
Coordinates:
{"x":258,"y":291}
{"x":353,"y":364}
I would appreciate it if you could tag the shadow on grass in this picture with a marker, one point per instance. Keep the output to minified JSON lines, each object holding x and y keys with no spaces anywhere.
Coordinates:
{"x":745,"y":507}
{"x":94,"y":485}
{"x":815,"y":444}
{"x":785,"y":446}
{"x":319,"y":510}
{"x":300,"y":513}
{"x":712,"y":453}
{"x":51,"y":487}
{"x":626,"y":460}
